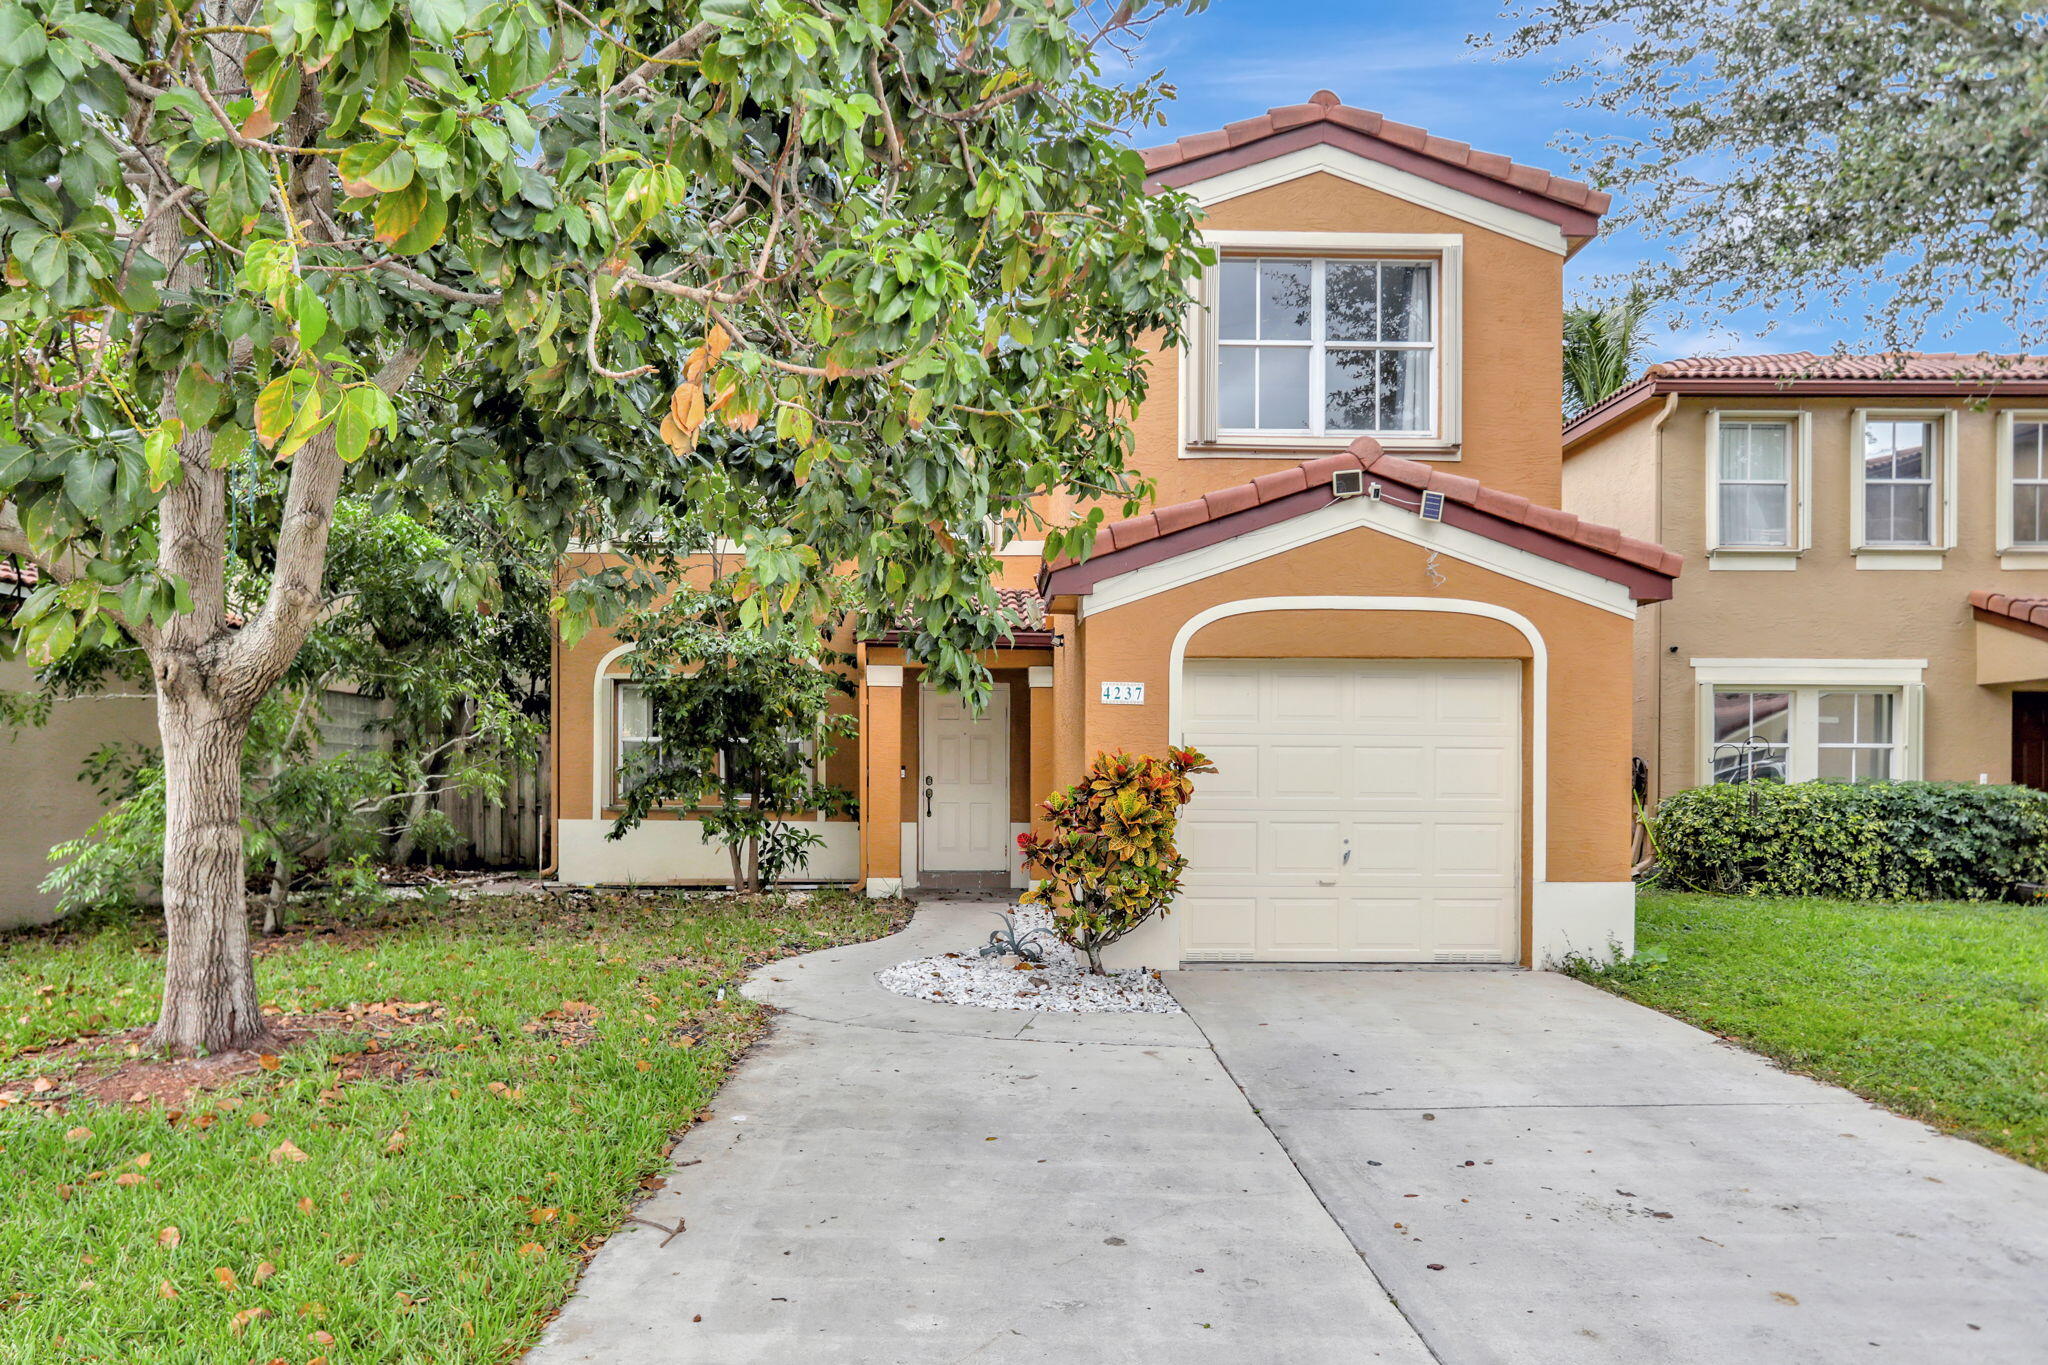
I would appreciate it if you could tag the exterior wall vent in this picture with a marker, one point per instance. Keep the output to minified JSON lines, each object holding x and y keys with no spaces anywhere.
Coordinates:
{"x":1216,"y":957}
{"x":1490,"y":958}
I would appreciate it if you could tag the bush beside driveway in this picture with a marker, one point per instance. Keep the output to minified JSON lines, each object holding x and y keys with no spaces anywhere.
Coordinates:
{"x":1938,"y":1011}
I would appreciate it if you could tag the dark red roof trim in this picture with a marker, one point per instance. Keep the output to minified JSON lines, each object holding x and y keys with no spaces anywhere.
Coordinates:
{"x":1920,"y":374}
{"x":1023,"y":603}
{"x":2026,"y":615}
{"x":1646,"y":570}
{"x":1573,"y":207}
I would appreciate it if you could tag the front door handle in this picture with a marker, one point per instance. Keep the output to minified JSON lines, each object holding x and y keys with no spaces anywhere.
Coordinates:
{"x":927,"y":798}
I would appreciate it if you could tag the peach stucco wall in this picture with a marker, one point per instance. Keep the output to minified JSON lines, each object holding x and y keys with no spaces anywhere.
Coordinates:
{"x":1513,"y":302}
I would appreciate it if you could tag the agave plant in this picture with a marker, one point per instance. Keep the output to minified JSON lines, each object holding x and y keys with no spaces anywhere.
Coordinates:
{"x":1005,"y":941}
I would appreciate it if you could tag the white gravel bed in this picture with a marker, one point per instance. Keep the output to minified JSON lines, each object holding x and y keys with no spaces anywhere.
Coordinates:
{"x":1064,"y":985}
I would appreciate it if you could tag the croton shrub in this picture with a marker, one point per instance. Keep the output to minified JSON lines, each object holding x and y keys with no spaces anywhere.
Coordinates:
{"x":1861,"y":841}
{"x":1110,"y":863}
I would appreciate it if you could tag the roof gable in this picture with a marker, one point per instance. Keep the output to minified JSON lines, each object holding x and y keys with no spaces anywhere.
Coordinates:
{"x":1645,"y":570}
{"x":1571,"y":206}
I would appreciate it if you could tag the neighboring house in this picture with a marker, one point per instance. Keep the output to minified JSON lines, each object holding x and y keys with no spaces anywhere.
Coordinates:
{"x":47,"y":804}
{"x":1355,"y":595}
{"x":1874,"y":532}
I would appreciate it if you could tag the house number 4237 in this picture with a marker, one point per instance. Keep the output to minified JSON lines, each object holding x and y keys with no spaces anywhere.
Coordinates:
{"x":1123,"y":694}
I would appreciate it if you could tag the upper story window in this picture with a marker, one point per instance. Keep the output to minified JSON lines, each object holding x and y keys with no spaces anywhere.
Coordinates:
{"x":2024,"y":473}
{"x":1903,"y":498}
{"x":1900,"y":456}
{"x":1326,"y":347}
{"x":1755,"y":477}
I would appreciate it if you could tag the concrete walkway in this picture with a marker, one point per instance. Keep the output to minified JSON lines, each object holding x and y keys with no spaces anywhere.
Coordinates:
{"x":893,"y":1181}
{"x":1538,"y":1172}
{"x":1601,"y":1183}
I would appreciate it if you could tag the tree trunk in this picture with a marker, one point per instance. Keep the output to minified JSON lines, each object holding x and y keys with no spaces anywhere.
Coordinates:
{"x":209,"y":977}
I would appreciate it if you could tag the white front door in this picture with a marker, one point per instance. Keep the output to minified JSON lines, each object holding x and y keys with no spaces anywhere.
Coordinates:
{"x":963,"y":794}
{"x":1365,"y":811}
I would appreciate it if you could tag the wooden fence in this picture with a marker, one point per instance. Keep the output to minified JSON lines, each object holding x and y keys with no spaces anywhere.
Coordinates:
{"x":507,"y":834}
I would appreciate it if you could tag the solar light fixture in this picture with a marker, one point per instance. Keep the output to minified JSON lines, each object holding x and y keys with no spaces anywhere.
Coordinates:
{"x":1432,"y":508}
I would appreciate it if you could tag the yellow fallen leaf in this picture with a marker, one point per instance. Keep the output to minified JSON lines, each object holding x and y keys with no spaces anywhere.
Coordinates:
{"x":285,"y":1151}
{"x":225,"y":1276}
{"x":256,"y":1120}
{"x":264,"y":1270}
{"x":169,"y":1237}
{"x":305,"y":1206}
{"x":268,"y":1062}
{"x":78,"y":1135}
{"x":530,"y":1249}
{"x":322,"y":1338}
{"x":165,"y":1290}
{"x":245,"y":1317}
{"x":396,"y":1142}
{"x":42,"y":1084}
{"x":349,"y":1259}
{"x":143,"y":1158}
{"x":542,"y":1215}
{"x":643,"y":1066}
{"x":129,"y":1178}
{"x":315,"y":1311}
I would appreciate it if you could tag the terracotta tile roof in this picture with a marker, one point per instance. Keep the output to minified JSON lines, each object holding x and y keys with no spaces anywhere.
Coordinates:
{"x":1324,"y":107}
{"x":1023,"y":603}
{"x":19,"y":572}
{"x":1899,"y":372}
{"x":2018,"y":611}
{"x":1554,"y":530}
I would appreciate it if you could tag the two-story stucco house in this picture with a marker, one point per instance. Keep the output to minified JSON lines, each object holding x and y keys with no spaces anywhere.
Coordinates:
{"x":1873,"y":535}
{"x":1355,"y":594}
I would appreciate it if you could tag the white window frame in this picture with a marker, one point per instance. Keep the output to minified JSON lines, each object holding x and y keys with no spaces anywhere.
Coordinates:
{"x":1942,"y":520}
{"x":1806,"y":680}
{"x":808,"y":746}
{"x":1799,"y":522}
{"x":2013,"y":554}
{"x":1201,"y":436}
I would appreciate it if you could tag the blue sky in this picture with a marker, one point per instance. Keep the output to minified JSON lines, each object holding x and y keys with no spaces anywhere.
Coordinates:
{"x":1413,"y":62}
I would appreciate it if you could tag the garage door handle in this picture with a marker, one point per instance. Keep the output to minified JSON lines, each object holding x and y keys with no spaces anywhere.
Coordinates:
{"x":1326,"y":881}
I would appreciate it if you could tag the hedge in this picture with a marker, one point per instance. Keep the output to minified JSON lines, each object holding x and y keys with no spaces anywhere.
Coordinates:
{"x":1866,"y":841}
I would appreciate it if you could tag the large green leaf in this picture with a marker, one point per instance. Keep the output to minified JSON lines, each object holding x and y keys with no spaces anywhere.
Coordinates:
{"x":375,"y":168}
{"x":21,"y":36}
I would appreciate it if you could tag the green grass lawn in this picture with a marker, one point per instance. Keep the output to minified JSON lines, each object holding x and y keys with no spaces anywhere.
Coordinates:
{"x":1936,"y":1010}
{"x":436,"y":1215}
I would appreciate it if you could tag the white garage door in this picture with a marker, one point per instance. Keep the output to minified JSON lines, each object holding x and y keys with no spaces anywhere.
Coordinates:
{"x":1364,"y":811}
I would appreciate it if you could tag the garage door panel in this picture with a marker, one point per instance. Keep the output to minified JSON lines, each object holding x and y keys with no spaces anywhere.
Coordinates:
{"x":1303,"y":770}
{"x":1303,"y":847}
{"x":1228,"y":847}
{"x":1411,"y":767}
{"x":1218,"y":924}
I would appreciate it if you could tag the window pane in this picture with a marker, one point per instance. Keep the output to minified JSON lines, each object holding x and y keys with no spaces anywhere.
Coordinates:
{"x":1349,"y":379}
{"x":2027,"y":441}
{"x":1237,"y":304}
{"x":1754,"y":514}
{"x":1283,"y":388}
{"x":1897,"y":514}
{"x":1284,"y":301}
{"x":1897,"y":450}
{"x":1404,"y":391}
{"x":636,"y":722}
{"x":1236,"y":371}
{"x":2029,"y":525}
{"x":1404,"y":303}
{"x":1740,"y":717}
{"x":1754,"y":450}
{"x":1351,"y":295}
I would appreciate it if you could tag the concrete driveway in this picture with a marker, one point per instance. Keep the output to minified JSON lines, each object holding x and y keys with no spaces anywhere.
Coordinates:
{"x":1601,"y":1183}
{"x":893,"y":1181}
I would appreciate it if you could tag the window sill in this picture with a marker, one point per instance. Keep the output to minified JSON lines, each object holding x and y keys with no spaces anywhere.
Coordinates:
{"x":2023,"y":557}
{"x":1753,"y":559}
{"x":1298,"y":448}
{"x":1923,"y":557}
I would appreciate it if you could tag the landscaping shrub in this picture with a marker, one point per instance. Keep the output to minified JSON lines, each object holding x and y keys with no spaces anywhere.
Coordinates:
{"x":1110,"y":861}
{"x":1861,"y":841}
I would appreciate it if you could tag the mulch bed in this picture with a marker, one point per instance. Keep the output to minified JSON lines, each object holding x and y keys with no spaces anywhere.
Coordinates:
{"x":74,"y":1075}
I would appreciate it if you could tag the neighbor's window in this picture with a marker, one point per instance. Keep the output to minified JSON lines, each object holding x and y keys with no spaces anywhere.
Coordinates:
{"x":1899,"y":493}
{"x":1326,"y":347}
{"x":1752,"y":735}
{"x":1856,"y":734}
{"x":1797,"y":734}
{"x":1755,"y":478}
{"x":2030,"y":483}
